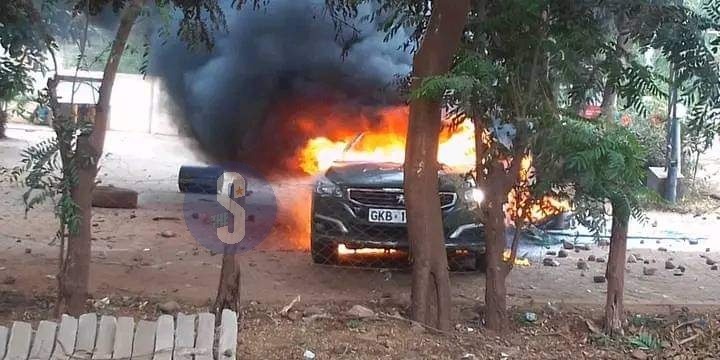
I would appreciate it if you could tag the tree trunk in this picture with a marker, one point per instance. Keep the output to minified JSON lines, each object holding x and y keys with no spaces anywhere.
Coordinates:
{"x":497,"y":184}
{"x":75,"y":274}
{"x":614,"y":313}
{"x":430,"y":299}
{"x":609,"y":96}
{"x":497,"y":270}
{"x":228,"y":295}
{"x":609,"y":99}
{"x":3,"y":121}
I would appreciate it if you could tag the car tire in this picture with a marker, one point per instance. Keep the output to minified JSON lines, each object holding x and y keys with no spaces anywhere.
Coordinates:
{"x":480,"y":262}
{"x":323,"y":252}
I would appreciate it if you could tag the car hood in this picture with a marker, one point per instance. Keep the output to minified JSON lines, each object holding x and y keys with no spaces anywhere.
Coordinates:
{"x":382,"y":175}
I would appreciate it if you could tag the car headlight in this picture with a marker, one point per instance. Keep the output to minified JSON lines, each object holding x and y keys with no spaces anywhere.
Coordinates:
{"x":325,"y":187}
{"x":474,"y":196}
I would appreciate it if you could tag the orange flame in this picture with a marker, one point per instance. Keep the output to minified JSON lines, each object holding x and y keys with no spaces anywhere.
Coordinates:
{"x":384,"y":141}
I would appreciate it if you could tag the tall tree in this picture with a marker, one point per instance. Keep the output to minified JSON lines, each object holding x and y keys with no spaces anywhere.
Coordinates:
{"x":430,"y":299}
{"x":601,"y":163}
{"x":200,"y":18}
{"x":435,"y":33}
{"x":75,"y":274}
{"x":512,"y":79}
{"x":79,"y":145}
{"x":597,"y":163}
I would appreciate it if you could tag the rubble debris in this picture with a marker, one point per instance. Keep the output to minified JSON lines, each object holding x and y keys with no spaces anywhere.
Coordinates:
{"x":114,"y":197}
{"x":585,"y":247}
{"x":669,"y":265}
{"x":550,"y":262}
{"x":286,"y":308}
{"x":360,"y":312}
{"x":582,"y":265}
{"x":169,"y":307}
{"x":312,"y":310}
{"x":649,"y":271}
{"x":530,"y":316}
{"x":638,"y":354}
{"x":294,"y":315}
{"x":158,"y":218}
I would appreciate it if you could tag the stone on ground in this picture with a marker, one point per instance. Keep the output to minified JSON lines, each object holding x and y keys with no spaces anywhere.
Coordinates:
{"x":114,"y":197}
{"x":582,"y":265}
{"x":169,"y":307}
{"x":648,"y":271}
{"x":360,"y":312}
{"x":585,"y":247}
{"x":550,"y":262}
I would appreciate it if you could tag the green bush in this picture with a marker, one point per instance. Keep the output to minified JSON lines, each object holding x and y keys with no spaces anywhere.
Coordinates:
{"x":650,"y":132}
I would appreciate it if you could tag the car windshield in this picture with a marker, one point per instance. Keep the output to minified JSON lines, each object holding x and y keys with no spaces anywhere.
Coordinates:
{"x":374,"y":147}
{"x":381,"y":147}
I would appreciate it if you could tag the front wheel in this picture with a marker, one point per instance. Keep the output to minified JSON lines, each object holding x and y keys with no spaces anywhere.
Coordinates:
{"x":480,"y":262}
{"x":323,"y":251}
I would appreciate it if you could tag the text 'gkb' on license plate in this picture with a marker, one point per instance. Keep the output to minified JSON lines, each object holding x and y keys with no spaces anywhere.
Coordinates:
{"x":391,"y":216}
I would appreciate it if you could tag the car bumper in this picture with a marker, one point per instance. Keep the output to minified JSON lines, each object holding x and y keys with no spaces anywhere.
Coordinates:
{"x":337,"y":221}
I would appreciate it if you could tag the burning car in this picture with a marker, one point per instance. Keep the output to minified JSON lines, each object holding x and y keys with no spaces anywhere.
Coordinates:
{"x":360,"y":204}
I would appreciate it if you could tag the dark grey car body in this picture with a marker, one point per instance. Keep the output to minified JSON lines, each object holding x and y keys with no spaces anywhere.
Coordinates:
{"x":342,"y":217}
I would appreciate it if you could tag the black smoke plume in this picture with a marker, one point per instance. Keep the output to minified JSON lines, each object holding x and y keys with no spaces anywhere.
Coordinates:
{"x":238,"y":99}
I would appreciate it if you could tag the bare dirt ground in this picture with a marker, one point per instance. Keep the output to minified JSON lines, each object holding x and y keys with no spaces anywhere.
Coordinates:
{"x":132,"y":260}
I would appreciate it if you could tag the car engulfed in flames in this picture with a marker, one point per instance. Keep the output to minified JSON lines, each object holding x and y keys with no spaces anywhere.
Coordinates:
{"x":358,"y":204}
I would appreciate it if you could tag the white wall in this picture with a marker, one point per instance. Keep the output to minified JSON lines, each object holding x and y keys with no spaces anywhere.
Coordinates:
{"x":138,"y":104}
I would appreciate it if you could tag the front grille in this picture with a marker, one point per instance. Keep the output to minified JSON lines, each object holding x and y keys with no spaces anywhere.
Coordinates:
{"x":391,"y":198}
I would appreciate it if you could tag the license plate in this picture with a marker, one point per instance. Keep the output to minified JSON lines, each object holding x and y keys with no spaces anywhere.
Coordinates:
{"x":388,"y":216}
